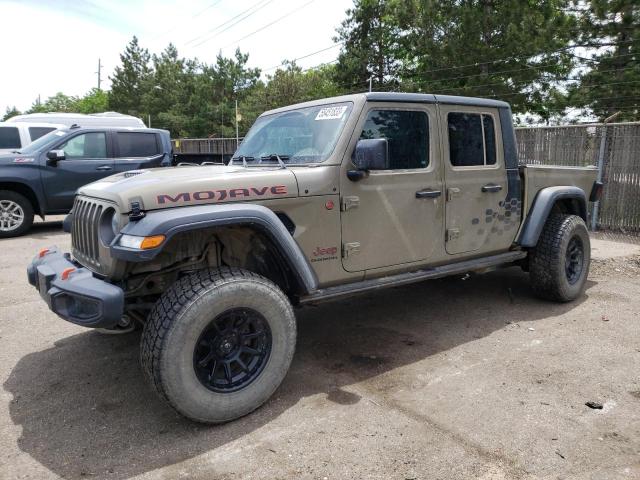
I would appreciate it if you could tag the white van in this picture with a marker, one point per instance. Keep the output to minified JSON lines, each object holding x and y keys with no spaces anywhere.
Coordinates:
{"x":105,"y":119}
{"x":14,"y":136}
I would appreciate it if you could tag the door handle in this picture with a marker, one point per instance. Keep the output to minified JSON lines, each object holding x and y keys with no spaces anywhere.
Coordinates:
{"x":491,"y":188}
{"x":428,"y":193}
{"x":103,"y":167}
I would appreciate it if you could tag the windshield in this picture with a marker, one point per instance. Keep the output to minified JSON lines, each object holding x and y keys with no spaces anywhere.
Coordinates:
{"x":305,"y":135}
{"x":43,"y":141}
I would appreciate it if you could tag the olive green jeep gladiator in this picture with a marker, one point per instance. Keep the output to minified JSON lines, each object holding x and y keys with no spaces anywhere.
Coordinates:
{"x":322,"y":200}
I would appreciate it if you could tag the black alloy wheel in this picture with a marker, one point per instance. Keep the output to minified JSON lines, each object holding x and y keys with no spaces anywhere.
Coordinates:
{"x":574,"y":260}
{"x":232,"y":350}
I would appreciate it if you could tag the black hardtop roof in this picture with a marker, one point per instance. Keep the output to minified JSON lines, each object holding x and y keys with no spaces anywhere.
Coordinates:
{"x":431,"y":98}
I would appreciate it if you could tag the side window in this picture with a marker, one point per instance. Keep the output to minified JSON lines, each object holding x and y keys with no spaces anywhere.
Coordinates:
{"x":137,"y":144}
{"x":86,"y":145}
{"x":9,"y":137}
{"x":37,"y":132}
{"x":407,"y":133}
{"x":472,"y":139}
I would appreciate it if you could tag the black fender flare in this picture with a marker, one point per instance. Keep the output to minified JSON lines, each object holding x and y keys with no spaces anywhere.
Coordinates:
{"x":172,"y":221}
{"x":542,"y":205}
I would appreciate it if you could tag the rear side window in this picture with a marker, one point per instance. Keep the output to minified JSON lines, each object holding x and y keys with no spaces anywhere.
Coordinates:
{"x":407,"y":133}
{"x":9,"y":137}
{"x":137,"y":144}
{"x":37,"y":132}
{"x":472,"y":139}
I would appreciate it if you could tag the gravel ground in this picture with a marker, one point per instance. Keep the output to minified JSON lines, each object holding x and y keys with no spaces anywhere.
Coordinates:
{"x":446,"y":379}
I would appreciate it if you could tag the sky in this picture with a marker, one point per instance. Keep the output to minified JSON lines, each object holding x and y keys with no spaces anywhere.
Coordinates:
{"x":51,"y":46}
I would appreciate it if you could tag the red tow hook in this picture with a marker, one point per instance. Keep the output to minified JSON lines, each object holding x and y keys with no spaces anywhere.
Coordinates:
{"x":66,"y":272}
{"x":43,"y":252}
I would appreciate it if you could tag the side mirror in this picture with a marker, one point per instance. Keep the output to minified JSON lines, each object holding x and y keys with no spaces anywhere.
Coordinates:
{"x":370,"y":154}
{"x":53,"y":156}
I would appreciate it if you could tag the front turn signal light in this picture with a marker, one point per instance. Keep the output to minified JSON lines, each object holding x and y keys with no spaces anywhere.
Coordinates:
{"x":151,"y":242}
{"x":140,"y":243}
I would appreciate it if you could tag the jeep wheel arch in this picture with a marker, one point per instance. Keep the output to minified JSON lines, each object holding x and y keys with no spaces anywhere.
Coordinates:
{"x":563,"y":199}
{"x":175,"y":221}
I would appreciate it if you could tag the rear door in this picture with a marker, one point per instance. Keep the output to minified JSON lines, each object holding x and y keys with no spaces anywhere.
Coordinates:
{"x":394,"y":216}
{"x":135,"y":150}
{"x":477,"y":219}
{"x":86,"y":160}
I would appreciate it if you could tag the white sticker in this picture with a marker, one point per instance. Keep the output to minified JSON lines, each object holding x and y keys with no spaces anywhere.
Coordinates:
{"x":60,"y":133}
{"x":331,"y":113}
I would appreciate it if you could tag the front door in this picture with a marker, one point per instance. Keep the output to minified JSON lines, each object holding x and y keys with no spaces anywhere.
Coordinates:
{"x":394,"y":216}
{"x":86,"y":161}
{"x":477,"y":220}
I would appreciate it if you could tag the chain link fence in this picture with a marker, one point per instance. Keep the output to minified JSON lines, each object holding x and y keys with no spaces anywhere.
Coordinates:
{"x":614,"y":148}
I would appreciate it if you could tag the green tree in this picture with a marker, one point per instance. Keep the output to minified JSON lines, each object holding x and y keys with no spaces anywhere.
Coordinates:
{"x":131,"y":80}
{"x":515,"y":50}
{"x":292,"y":84}
{"x":10,"y":112}
{"x":370,"y":35}
{"x":57,"y":103}
{"x":612,"y":83}
{"x":95,"y":101}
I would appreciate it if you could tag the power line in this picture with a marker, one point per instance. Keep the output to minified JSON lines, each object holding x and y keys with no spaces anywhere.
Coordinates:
{"x":272,"y":23}
{"x":243,"y":16}
{"x":307,"y":56}
{"x":196,"y":15}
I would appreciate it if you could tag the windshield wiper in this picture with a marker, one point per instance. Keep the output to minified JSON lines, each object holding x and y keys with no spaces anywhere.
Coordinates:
{"x":243,"y":158}
{"x":275,"y":156}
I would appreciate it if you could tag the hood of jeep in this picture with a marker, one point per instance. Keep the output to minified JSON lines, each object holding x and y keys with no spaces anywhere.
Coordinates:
{"x":197,"y":185}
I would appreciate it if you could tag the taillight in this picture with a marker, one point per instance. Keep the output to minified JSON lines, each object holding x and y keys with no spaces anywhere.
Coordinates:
{"x":596,"y":191}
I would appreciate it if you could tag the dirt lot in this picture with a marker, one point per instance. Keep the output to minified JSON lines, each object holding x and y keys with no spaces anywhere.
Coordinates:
{"x":447,"y":379}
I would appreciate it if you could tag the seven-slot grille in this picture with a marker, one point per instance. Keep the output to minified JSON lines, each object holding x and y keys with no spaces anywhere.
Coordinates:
{"x":85,"y":231}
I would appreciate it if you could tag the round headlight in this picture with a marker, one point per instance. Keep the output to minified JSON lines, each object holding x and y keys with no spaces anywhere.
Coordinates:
{"x":108,"y":226}
{"x":115,"y":223}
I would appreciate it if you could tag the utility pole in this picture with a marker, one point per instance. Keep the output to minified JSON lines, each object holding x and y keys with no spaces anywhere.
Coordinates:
{"x":99,"y":73}
{"x":237,"y":136}
{"x":370,"y":82}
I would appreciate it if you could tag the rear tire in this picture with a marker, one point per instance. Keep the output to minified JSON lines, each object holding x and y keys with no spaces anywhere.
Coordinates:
{"x":218,"y":343}
{"x":16,"y":214}
{"x":559,"y":264}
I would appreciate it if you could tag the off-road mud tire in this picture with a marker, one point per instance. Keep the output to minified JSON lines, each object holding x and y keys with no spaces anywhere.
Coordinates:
{"x":177,"y":322}
{"x":547,"y":262}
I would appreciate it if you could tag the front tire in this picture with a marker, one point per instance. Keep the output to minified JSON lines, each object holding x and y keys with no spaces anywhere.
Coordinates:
{"x":16,"y":214}
{"x":559,"y":264}
{"x":218,"y":343}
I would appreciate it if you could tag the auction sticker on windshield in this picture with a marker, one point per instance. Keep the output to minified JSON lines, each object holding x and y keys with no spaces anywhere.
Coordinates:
{"x":331,"y":113}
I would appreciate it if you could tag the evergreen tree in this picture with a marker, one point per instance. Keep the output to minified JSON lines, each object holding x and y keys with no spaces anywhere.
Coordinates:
{"x":131,"y":80}
{"x":10,"y":112}
{"x":612,"y":83}
{"x":514,"y":50}
{"x":371,"y":48}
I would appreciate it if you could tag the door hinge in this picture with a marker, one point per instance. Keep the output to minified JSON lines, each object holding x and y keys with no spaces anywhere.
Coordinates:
{"x":452,"y":192}
{"x":349,"y":249}
{"x":349,"y":202}
{"x":452,"y":234}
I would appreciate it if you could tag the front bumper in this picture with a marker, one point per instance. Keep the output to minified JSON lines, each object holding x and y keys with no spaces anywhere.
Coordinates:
{"x":73,"y":293}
